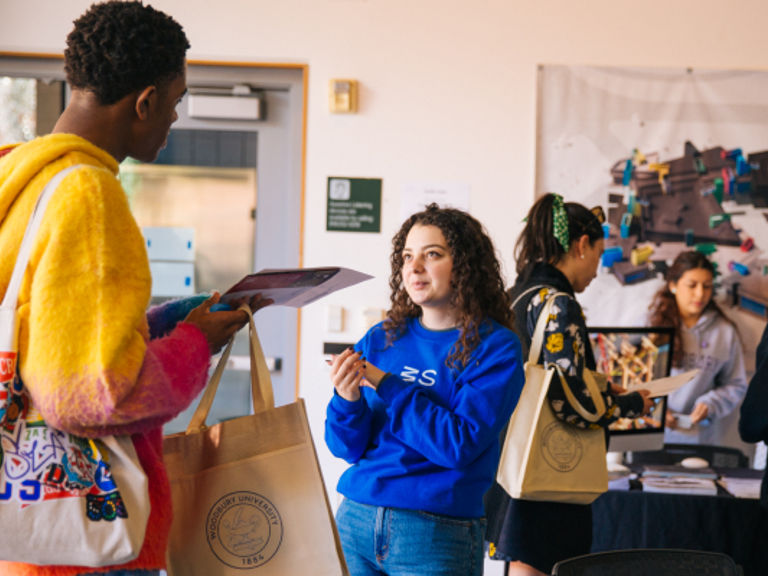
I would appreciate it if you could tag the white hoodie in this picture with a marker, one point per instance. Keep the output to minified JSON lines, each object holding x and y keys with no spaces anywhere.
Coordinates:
{"x":712,"y":345}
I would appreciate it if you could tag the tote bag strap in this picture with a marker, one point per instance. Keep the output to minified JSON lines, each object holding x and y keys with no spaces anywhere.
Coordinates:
{"x":536,"y":345}
{"x":526,"y":292}
{"x":541,"y":325}
{"x":261,"y":381}
{"x":36,"y":219}
{"x":595,"y":394}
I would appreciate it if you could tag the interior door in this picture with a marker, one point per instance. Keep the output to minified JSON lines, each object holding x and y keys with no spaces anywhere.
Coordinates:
{"x":243,"y":200}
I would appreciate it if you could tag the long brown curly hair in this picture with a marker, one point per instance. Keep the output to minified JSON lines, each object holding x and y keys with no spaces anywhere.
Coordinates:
{"x":477,"y":284}
{"x":664,"y":311}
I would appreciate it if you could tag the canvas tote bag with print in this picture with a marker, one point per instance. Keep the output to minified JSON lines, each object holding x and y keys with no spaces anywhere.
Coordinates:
{"x":248,"y":496}
{"x":543,"y":457}
{"x":64,"y":500}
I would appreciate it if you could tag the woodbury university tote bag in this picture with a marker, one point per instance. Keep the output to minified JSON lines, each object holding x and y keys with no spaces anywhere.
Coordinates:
{"x":543,"y":457}
{"x":248,"y":496}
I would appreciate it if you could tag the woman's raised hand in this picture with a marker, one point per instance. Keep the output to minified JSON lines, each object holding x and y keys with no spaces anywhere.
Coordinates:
{"x":671,"y":420}
{"x":347,"y":372}
{"x":700,"y":412}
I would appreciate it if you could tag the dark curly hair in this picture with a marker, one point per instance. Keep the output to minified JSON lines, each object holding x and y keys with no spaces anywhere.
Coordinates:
{"x":664,"y":311}
{"x":476,"y":280}
{"x":119,"y":47}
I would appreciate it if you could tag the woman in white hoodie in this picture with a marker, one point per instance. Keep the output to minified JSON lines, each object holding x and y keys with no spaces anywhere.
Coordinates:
{"x":705,"y":339}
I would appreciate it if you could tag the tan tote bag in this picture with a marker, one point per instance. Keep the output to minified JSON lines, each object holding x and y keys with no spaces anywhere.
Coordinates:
{"x":543,"y":457}
{"x":248,"y":496}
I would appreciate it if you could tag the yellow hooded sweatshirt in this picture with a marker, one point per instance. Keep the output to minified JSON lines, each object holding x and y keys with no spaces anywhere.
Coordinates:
{"x":85,"y":354}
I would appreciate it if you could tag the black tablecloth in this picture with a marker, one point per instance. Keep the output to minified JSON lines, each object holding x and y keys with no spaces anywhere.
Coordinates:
{"x":635,"y":519}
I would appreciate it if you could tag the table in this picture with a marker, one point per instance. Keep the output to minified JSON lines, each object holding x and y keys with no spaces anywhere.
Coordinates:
{"x":635,"y":519}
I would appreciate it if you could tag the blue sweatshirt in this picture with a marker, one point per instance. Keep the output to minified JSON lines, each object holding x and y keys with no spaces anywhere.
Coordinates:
{"x":428,"y":438}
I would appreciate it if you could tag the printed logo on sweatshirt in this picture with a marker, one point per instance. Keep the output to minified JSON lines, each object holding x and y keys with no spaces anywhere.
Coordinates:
{"x":425,"y":378}
{"x":561,"y":447}
{"x":705,"y":362}
{"x":244,"y":530}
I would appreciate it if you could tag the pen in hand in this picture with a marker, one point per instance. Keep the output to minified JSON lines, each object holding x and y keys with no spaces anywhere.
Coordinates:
{"x":334,"y":356}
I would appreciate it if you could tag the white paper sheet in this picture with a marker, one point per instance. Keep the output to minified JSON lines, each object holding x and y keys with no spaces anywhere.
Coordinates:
{"x":295,"y":287}
{"x":665,"y":386}
{"x":417,"y":195}
{"x":700,"y":486}
{"x":742,"y":487}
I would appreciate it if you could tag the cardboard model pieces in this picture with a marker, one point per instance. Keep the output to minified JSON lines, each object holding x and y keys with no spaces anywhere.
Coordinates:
{"x":628,"y":273}
{"x":681,"y":195}
{"x":626,"y":244}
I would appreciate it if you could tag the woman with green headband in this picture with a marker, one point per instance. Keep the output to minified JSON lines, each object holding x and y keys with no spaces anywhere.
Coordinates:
{"x":558,"y":252}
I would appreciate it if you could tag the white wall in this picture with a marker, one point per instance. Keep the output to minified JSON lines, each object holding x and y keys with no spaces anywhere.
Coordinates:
{"x":448,"y":94}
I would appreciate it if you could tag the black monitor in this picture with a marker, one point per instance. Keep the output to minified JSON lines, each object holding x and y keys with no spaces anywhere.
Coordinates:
{"x":630,"y":357}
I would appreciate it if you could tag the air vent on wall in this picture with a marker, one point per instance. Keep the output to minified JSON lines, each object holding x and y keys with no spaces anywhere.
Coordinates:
{"x":237,"y":103}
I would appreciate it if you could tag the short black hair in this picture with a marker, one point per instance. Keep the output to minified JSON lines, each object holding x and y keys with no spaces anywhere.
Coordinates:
{"x":119,"y":47}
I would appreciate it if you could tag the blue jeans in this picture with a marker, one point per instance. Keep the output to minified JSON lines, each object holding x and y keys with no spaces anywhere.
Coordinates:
{"x":399,"y":542}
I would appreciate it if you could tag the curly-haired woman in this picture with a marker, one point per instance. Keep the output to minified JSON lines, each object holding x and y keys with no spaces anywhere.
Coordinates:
{"x":420,"y":402}
{"x":558,"y":252}
{"x":705,"y":339}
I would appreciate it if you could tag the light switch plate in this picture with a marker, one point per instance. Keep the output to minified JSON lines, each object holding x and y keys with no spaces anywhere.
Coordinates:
{"x":335,"y":319}
{"x":343,"y":96}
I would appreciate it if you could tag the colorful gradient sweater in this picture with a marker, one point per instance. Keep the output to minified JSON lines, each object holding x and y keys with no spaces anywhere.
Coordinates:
{"x":85,"y":353}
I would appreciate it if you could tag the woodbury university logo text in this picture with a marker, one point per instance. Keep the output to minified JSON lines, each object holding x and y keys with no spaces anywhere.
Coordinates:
{"x":244,"y":530}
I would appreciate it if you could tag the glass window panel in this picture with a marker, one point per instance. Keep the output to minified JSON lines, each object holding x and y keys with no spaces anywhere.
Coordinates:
{"x":18,"y":106}
{"x":218,"y":203}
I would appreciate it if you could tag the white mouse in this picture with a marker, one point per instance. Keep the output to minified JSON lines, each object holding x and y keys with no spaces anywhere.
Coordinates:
{"x":694,"y":463}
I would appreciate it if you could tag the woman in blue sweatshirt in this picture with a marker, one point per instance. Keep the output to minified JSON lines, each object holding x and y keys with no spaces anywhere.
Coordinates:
{"x":420,"y":402}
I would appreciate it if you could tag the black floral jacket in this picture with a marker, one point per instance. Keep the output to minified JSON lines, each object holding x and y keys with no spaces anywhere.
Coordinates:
{"x":566,"y":345}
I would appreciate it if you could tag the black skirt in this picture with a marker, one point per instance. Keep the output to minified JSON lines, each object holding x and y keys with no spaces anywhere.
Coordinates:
{"x":540,"y":534}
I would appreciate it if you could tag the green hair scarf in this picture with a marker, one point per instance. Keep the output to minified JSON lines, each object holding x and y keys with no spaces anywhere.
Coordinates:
{"x":560,"y":218}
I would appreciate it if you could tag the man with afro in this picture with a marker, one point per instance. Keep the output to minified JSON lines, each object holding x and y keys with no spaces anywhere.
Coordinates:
{"x":93,"y":361}
{"x":126,"y":64}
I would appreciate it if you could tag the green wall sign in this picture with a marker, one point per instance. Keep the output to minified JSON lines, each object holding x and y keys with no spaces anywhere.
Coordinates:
{"x":354,"y":205}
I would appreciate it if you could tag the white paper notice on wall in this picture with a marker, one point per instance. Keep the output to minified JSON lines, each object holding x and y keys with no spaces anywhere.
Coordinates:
{"x":417,"y":195}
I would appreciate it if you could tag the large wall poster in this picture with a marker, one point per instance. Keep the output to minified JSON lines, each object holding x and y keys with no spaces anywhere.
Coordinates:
{"x":674,"y":147}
